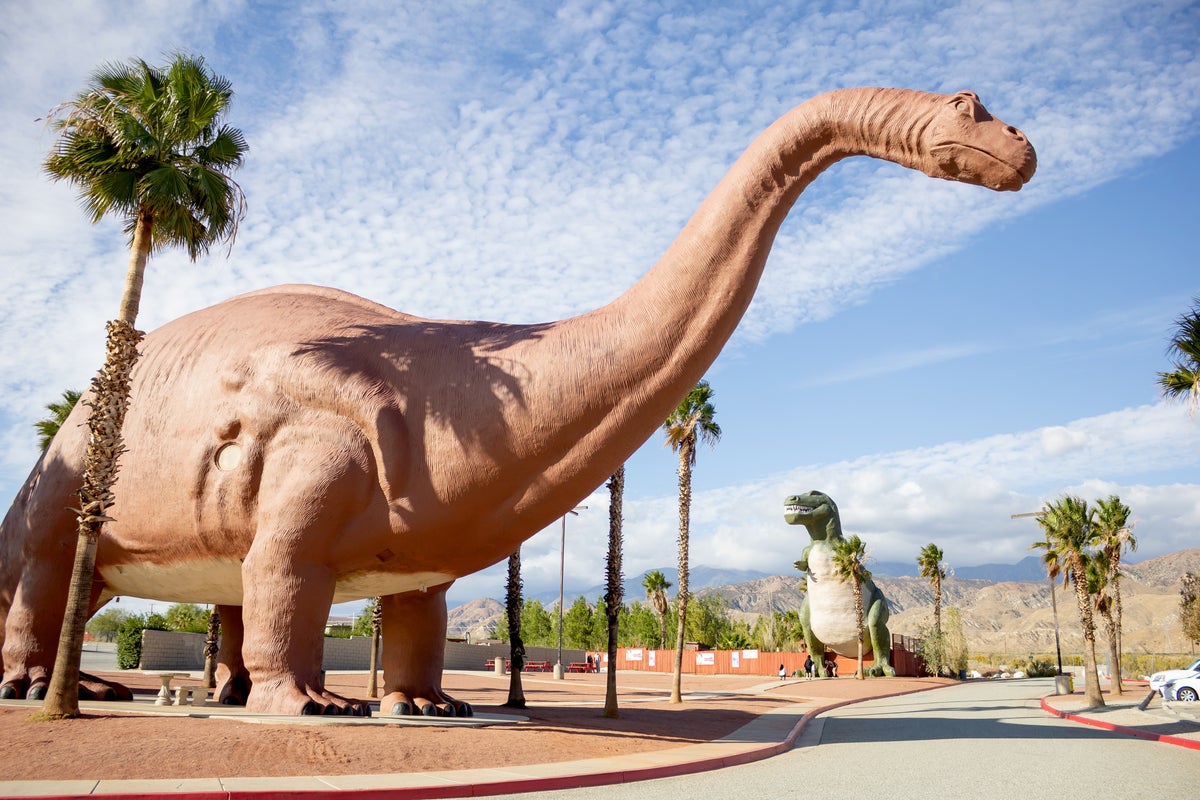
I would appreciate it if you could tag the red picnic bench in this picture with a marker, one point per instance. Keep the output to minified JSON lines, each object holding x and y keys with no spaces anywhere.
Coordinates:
{"x":580,"y":666}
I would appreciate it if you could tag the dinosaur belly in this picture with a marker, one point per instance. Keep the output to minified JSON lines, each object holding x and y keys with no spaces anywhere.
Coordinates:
{"x":831,"y":606}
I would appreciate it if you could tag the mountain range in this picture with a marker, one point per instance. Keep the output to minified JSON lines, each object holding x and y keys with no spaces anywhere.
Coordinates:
{"x":1005,"y":608}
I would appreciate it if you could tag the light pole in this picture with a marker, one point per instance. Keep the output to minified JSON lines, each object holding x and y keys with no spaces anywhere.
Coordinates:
{"x":562,"y":563}
{"x":1053,"y":602}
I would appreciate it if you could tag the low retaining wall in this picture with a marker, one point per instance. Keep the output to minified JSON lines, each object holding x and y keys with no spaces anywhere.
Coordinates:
{"x":170,"y":650}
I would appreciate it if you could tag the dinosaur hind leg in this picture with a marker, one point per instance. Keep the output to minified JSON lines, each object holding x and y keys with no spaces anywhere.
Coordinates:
{"x":881,"y":638}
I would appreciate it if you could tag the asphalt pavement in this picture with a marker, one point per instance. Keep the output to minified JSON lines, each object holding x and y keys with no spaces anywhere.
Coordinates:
{"x":980,"y":739}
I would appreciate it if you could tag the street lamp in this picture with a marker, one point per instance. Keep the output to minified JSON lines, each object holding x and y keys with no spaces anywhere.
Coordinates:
{"x":562,"y":563}
{"x":1053,"y":602}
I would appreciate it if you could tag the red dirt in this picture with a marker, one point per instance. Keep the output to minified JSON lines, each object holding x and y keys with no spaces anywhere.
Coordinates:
{"x":564,"y":725}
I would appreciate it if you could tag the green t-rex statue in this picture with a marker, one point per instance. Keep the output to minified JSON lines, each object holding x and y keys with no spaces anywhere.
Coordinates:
{"x":827,"y":613}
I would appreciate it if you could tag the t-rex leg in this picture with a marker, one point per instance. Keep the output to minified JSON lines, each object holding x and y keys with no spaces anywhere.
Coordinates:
{"x":816,"y":648}
{"x":233,"y":679}
{"x":881,"y":639}
{"x":414,"y":652}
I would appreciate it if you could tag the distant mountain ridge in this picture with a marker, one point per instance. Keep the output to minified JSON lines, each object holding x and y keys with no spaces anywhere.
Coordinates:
{"x":1000,"y":615}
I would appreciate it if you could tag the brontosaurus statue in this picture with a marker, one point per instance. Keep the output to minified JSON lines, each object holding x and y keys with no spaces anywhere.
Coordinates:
{"x":299,"y":446}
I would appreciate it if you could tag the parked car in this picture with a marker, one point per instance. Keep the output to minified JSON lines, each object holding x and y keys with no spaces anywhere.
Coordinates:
{"x":1160,"y":679}
{"x":1185,"y":689}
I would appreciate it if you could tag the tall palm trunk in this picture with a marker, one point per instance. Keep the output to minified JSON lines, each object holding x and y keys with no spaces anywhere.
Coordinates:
{"x":376,"y":635}
{"x":858,"y":620}
{"x":937,"y":606}
{"x":516,"y":645}
{"x":613,"y":592}
{"x":1092,"y":674}
{"x":1115,"y":634}
{"x":110,"y":389}
{"x":685,"y":510}
{"x":211,"y":648}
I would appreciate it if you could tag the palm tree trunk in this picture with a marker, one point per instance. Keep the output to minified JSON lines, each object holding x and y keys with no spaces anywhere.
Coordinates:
{"x":1092,"y":675}
{"x":376,"y":631}
{"x":685,"y":506}
{"x":858,"y":614}
{"x":516,"y":646}
{"x":1114,"y":656}
{"x":211,"y":648}
{"x":1117,"y":685}
{"x":111,"y":392}
{"x":612,"y":595}
{"x":110,"y":399}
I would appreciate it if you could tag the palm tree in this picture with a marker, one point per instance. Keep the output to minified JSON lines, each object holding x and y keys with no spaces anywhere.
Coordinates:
{"x":1070,"y":533}
{"x":931,"y":566}
{"x":656,"y":585}
{"x":690,"y":423}
{"x":849,"y":563}
{"x":513,"y":604}
{"x":1115,"y":535}
{"x":147,"y":145}
{"x":613,"y":593}
{"x":59,"y":411}
{"x":1185,"y":347}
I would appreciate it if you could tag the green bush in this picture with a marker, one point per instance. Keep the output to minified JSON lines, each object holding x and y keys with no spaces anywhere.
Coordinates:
{"x":129,"y":642}
{"x":129,"y":638}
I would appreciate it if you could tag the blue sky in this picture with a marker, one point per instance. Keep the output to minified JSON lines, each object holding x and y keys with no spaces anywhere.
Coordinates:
{"x":935,"y":356}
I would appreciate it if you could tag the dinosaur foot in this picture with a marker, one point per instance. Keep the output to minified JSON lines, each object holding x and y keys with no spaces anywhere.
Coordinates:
{"x":93,"y":688}
{"x":307,"y":701}
{"x":24,"y":689}
{"x":432,"y":703}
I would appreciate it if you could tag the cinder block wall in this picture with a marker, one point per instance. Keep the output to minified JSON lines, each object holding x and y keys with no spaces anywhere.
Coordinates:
{"x":167,"y":650}
{"x":170,"y":650}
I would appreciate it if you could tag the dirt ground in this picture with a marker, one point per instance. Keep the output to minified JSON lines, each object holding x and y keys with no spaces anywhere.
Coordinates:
{"x":564,"y":724}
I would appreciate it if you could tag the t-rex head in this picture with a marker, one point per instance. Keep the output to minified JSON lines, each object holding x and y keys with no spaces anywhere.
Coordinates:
{"x":815,"y":511}
{"x":963,"y":142}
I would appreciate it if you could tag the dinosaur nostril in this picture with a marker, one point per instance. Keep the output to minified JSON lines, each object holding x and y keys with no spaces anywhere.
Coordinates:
{"x":1013,"y":132}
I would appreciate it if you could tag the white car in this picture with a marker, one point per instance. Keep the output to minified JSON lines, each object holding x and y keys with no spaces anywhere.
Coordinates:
{"x":1185,"y":689}
{"x":1160,"y":679}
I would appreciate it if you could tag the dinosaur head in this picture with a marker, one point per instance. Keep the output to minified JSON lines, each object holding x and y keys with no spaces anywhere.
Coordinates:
{"x":815,"y":511}
{"x":963,"y":142}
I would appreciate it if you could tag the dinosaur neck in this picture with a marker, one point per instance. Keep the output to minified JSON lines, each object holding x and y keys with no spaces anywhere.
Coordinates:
{"x":660,"y":337}
{"x":626,"y":365}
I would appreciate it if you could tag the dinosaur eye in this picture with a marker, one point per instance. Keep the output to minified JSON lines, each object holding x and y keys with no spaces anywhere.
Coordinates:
{"x":961,"y":105}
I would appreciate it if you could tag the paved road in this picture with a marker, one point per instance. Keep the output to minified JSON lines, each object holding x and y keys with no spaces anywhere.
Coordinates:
{"x":975,"y":740}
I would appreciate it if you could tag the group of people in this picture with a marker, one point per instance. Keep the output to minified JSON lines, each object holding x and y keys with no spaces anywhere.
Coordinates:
{"x":810,"y":668}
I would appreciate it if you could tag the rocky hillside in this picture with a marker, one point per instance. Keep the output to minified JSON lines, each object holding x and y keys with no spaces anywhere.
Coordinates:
{"x":999,"y":617}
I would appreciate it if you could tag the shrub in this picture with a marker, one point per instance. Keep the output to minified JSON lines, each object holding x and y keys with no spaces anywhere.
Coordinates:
{"x":129,"y":638}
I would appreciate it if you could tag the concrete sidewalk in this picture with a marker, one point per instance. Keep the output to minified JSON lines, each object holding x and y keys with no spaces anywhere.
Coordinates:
{"x":769,"y":734}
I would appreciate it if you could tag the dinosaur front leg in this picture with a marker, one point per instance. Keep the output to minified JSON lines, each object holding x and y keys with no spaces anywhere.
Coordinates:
{"x":881,"y":638}
{"x":414,"y":652}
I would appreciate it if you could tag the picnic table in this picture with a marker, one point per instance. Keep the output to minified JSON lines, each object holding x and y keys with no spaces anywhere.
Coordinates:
{"x":580,"y":666}
{"x":538,"y":666}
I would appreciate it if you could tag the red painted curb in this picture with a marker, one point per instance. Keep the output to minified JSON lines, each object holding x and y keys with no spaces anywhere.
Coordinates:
{"x":1137,"y":733}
